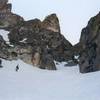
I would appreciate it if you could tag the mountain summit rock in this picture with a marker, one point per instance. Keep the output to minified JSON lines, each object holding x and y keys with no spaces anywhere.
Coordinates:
{"x":51,"y":22}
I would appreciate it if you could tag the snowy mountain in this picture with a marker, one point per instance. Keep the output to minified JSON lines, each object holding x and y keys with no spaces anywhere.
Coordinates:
{"x":30,"y":45}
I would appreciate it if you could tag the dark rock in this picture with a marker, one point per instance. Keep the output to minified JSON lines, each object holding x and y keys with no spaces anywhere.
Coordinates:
{"x":90,"y":43}
{"x":7,"y":18}
{"x":47,"y":61}
{"x":1,"y":64}
{"x":0,"y":61}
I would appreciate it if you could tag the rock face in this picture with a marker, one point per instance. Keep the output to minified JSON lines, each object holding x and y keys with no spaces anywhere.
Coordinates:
{"x":35,"y":42}
{"x":51,"y":22}
{"x":47,"y":44}
{"x":7,"y":18}
{"x":90,"y":43}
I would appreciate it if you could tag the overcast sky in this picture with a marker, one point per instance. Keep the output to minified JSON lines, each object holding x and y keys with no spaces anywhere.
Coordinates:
{"x":73,"y":14}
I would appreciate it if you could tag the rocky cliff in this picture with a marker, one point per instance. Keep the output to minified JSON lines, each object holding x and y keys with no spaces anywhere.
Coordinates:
{"x":90,"y":46}
{"x":36,"y":42}
{"x":46,"y":42}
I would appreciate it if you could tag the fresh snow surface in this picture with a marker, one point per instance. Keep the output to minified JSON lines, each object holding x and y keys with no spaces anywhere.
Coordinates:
{"x":31,"y":83}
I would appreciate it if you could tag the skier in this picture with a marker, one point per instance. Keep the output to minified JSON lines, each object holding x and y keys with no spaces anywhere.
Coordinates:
{"x":17,"y":68}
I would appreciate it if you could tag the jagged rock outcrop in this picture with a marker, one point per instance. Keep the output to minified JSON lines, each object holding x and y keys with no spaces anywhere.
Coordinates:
{"x":35,"y":42}
{"x":90,"y":43}
{"x":7,"y":18}
{"x":51,"y":22}
{"x":47,"y":43}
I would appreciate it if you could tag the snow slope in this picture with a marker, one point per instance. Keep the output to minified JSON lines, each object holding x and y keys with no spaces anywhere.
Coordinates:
{"x":31,"y":83}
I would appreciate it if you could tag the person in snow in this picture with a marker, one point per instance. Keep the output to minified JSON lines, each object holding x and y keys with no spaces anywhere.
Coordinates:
{"x":17,"y":68}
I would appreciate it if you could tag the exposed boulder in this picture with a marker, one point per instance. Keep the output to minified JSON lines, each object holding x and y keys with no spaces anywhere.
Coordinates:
{"x":90,"y":43}
{"x":47,"y":62}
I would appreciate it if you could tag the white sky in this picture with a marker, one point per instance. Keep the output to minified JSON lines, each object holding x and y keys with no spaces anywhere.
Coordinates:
{"x":73,"y":14}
